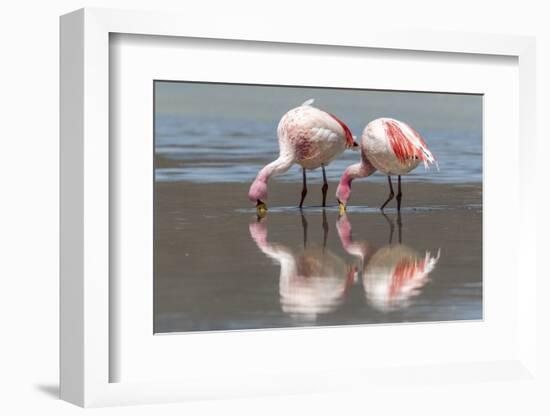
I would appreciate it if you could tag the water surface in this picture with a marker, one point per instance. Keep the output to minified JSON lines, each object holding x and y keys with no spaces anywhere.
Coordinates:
{"x":218,"y":268}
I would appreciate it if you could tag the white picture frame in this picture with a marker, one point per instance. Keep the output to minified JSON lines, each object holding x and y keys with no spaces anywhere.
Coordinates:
{"x":85,"y":211}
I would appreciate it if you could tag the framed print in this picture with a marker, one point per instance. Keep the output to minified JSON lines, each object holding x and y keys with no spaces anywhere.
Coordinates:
{"x":213,"y":244}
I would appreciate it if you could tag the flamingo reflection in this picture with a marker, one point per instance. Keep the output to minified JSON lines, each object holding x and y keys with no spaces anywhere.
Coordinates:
{"x":312,"y":280}
{"x":392,"y":275}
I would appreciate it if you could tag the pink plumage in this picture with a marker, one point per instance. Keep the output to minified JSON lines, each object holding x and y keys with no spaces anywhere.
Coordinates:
{"x":309,"y":137}
{"x":393,"y":148}
{"x":312,"y":281}
{"x":347,"y":131}
{"x":406,"y":143}
{"x":392,"y":275}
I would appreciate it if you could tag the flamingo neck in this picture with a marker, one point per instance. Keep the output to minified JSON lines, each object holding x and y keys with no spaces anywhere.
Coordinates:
{"x":279,"y":166}
{"x":357,"y":170}
{"x":258,"y":189}
{"x":352,"y":172}
{"x":343,"y":227}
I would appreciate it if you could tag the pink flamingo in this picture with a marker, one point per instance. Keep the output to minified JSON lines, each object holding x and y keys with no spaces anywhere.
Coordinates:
{"x":392,"y":275}
{"x":393,"y":148}
{"x":312,"y":281}
{"x":311,"y":138}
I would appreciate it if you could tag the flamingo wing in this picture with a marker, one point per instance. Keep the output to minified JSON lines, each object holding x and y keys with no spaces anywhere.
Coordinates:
{"x":313,"y":135}
{"x":347,"y":132}
{"x":315,"y":142}
{"x":406,"y":143}
{"x":411,"y":272}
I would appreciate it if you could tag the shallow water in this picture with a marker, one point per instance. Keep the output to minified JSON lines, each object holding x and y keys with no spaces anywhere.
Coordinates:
{"x":217,"y":267}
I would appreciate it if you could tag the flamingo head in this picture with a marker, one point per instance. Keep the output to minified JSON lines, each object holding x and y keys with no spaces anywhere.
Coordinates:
{"x":343,"y":192}
{"x":258,"y":194}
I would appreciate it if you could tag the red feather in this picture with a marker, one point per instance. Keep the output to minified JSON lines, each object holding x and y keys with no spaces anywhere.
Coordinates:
{"x":404,"y":271}
{"x":402,"y":146}
{"x":347,"y":131}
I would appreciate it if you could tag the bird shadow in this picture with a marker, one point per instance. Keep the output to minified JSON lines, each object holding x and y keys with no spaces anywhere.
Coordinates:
{"x":51,"y":390}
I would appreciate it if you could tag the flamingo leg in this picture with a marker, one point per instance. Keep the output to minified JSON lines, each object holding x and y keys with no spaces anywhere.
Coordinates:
{"x":399,"y":194}
{"x":325,"y":186}
{"x":304,"y":187}
{"x":304,"y":229}
{"x":392,"y":227}
{"x":390,"y":197}
{"x":399,"y":227}
{"x":325,"y":229}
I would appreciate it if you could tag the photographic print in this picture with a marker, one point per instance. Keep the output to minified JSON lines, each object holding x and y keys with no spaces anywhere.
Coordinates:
{"x":288,"y":206}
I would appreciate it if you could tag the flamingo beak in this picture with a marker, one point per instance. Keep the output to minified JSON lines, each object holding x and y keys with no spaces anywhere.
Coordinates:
{"x":341,"y":208}
{"x":261,"y":208}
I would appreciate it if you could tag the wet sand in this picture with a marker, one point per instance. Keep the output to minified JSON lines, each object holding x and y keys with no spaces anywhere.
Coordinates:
{"x":214,"y":271}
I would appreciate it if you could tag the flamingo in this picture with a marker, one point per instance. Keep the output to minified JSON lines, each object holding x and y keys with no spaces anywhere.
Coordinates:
{"x":312,"y":281}
{"x":309,"y":137}
{"x":393,"y":148}
{"x":392,"y":275}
